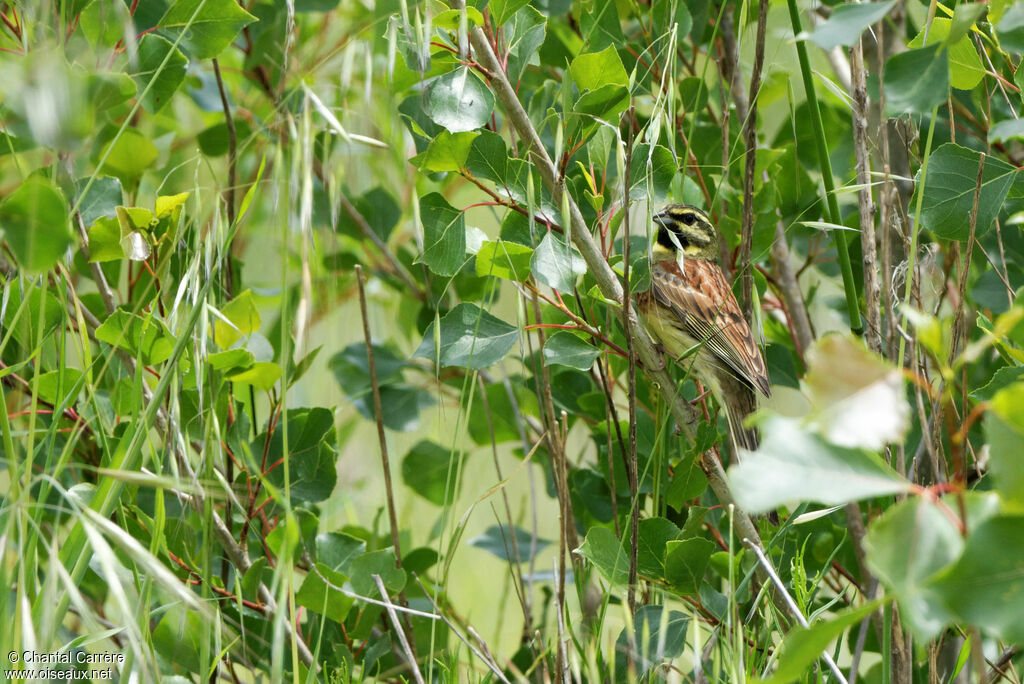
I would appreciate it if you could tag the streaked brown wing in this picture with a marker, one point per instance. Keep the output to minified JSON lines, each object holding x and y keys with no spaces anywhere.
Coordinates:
{"x":703,"y":301}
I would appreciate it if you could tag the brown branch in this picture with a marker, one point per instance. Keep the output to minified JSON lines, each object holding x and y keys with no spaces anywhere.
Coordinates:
{"x":750,"y":141}
{"x":378,"y":413}
{"x":872,"y":293}
{"x":631,"y":461}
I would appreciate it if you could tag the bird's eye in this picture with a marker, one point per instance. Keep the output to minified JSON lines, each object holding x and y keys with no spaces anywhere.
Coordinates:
{"x":688,"y":219}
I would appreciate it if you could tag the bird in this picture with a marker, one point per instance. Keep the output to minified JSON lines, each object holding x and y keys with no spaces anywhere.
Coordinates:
{"x":691,"y":312}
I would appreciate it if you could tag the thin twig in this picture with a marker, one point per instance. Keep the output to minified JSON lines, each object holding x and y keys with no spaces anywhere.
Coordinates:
{"x":378,"y":413}
{"x":488,"y":661}
{"x":631,"y":460}
{"x":406,"y":649}
{"x":789,"y":287}
{"x":750,"y":141}
{"x":229,"y":192}
{"x":998,"y":670}
{"x":872,"y":293}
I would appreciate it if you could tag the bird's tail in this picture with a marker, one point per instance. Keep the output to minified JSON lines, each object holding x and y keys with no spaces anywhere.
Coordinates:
{"x":739,"y":401}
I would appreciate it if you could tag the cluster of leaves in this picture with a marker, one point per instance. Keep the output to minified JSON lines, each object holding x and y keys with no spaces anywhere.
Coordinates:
{"x":161,"y":462}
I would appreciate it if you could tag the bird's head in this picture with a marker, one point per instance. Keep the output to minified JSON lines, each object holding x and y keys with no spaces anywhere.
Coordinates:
{"x":685,"y":230}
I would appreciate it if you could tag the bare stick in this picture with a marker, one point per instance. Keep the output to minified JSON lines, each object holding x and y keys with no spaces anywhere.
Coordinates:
{"x":378,"y":413}
{"x":750,"y":141}
{"x":488,"y":661}
{"x":413,"y":667}
{"x":872,"y":291}
{"x":790,"y":289}
{"x":631,"y":462}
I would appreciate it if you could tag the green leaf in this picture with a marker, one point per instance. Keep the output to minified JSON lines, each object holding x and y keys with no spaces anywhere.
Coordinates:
{"x":664,"y":18}
{"x":446,"y":152}
{"x":525,"y":34}
{"x":1005,"y":130}
{"x":659,"y":634}
{"x":916,"y":80}
{"x":802,"y":646}
{"x":321,"y":593}
{"x":469,"y":338}
{"x":688,"y":482}
{"x":847,"y":22}
{"x":351,"y":367}
{"x":129,"y":156}
{"x":557,"y":264}
{"x":965,"y":15}
{"x":382,"y":563}
{"x":496,"y":540}
{"x":215,"y":140}
{"x":212,"y":29}
{"x":450,"y":19}
{"x":566,"y":349}
{"x":34,"y":222}
{"x":233,"y":358}
{"x":654,"y":535}
{"x":949,"y":191}
{"x":444,"y":235}
{"x":104,"y":194}
{"x":104,"y":241}
{"x":244,"y":316}
{"x":986,"y":585}
{"x":1010,"y":29}
{"x":135,"y":334}
{"x":379,"y":208}
{"x":600,"y":25}
{"x":1004,"y":433}
{"x":488,"y":157}
{"x":794,"y":464}
{"x":685,"y":564}
{"x":460,"y":101}
{"x":965,"y":67}
{"x":153,"y":49}
{"x":591,"y":71}
{"x":337,"y":550}
{"x":166,"y":205}
{"x":502,"y":10}
{"x":606,"y":553}
{"x":504,"y":259}
{"x":402,"y":406}
{"x":178,"y":637}
{"x":261,"y":375}
{"x":430,"y":470}
{"x":655,"y":164}
{"x":55,"y":387}
{"x":906,"y":547}
{"x":310,"y":454}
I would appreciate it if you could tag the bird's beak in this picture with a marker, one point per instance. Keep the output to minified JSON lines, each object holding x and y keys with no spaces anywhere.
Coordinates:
{"x":662,"y":219}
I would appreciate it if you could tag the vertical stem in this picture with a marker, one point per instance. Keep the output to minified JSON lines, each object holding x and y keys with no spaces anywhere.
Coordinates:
{"x":831,"y":203}
{"x":229,"y":193}
{"x":750,"y":141}
{"x":866,"y":208}
{"x":378,"y":413}
{"x":631,"y":462}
